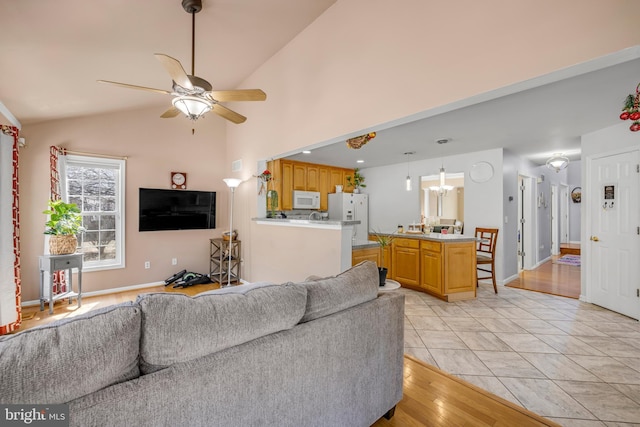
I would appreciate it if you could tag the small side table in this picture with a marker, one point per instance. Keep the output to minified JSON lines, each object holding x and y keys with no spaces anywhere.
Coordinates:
{"x":53,"y":263}
{"x":389,"y":285}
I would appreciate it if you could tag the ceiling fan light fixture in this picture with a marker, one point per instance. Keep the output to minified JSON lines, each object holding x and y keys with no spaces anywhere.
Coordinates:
{"x":557,"y":162}
{"x":192,"y":106}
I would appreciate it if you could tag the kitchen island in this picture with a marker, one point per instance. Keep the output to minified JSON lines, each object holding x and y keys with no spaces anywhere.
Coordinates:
{"x":443,"y":265}
{"x":311,"y":247}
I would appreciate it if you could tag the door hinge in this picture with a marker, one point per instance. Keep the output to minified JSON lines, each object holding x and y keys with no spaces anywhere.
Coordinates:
{"x":638,"y":168}
{"x":638,"y":230}
{"x":638,"y":293}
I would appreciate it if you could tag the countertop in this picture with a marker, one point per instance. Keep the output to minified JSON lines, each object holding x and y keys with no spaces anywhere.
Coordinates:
{"x":297,"y":221}
{"x":434,"y":236}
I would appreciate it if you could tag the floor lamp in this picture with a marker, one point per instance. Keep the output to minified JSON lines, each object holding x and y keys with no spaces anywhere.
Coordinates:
{"x":232,"y":183}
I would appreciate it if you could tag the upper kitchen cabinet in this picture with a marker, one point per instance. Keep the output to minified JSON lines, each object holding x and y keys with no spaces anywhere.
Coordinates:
{"x":291,"y":175}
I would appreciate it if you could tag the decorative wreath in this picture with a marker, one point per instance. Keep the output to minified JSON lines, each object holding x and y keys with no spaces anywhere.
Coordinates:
{"x":576,"y":195}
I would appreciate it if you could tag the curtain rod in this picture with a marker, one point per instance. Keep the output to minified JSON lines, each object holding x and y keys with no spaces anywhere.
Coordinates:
{"x":104,"y":156}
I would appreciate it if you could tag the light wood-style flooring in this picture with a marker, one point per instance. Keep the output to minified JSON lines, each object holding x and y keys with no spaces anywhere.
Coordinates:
{"x":434,"y":398}
{"x":550,"y":278}
{"x":32,"y":316}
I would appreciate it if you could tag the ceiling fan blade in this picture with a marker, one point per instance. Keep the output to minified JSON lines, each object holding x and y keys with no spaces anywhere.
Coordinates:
{"x":171,"y":112}
{"x":228,"y":114}
{"x":175,"y":70}
{"x":238,"y":95}
{"x":150,"y":89}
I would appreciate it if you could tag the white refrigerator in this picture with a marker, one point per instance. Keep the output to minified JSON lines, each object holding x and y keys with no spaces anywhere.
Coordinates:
{"x":351,"y":207}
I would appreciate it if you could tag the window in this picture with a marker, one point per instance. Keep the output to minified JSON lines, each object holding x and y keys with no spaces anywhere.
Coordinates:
{"x":96,"y":185}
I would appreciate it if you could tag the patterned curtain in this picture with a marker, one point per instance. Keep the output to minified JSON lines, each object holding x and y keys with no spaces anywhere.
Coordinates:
{"x":59,"y":279}
{"x":10,"y":284}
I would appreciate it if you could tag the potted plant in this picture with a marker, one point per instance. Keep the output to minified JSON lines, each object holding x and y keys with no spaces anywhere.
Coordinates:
{"x":65,"y":222}
{"x":356,"y":181}
{"x":384,"y":240}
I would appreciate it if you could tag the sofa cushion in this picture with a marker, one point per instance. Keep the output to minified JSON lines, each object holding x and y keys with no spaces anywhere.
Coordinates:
{"x":64,"y":360}
{"x":177,"y":328}
{"x":355,"y":286}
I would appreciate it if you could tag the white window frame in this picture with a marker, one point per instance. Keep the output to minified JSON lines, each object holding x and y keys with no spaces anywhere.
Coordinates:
{"x":119,"y":165}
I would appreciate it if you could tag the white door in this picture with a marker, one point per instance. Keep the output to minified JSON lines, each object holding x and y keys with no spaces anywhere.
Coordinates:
{"x":555,"y":241}
{"x":614,"y":243}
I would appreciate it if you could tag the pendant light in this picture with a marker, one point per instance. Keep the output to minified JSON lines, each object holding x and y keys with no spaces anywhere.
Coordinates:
{"x":408,"y":153}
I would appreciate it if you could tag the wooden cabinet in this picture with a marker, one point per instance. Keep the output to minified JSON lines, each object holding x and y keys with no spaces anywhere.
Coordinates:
{"x":299,"y":176}
{"x":431,"y":267}
{"x":313,"y":178}
{"x":290,"y":175}
{"x":406,"y":261}
{"x":286,"y":190}
{"x":324,"y":188}
{"x":336,"y":177}
{"x":448,"y":269}
{"x":365,"y":254}
{"x":460,"y":280}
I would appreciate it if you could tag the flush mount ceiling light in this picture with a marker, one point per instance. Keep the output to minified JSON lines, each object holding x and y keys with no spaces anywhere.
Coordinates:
{"x":558,"y":162}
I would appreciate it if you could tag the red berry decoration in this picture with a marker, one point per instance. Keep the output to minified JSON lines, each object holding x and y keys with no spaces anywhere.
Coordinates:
{"x":631,"y":110}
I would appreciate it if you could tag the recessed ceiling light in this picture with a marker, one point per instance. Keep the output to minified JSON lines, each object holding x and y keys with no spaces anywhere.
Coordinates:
{"x":359,"y":161}
{"x":306,"y":152}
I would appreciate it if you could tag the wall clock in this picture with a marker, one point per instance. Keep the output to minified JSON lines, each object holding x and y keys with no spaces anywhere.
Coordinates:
{"x":481,"y":172}
{"x":179,"y":180}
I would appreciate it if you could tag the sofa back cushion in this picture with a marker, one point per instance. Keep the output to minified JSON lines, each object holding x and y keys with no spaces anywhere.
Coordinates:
{"x":177,"y":328}
{"x":354,"y":286}
{"x":70,"y":358}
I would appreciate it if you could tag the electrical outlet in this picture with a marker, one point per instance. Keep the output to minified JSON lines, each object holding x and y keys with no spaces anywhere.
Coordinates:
{"x":147,"y":265}
{"x":174,"y":261}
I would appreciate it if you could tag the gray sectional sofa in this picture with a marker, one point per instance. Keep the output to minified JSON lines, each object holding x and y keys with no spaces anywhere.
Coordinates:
{"x":326,"y":352}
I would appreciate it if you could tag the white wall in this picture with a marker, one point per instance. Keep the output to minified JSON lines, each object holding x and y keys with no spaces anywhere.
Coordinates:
{"x":364,"y":63}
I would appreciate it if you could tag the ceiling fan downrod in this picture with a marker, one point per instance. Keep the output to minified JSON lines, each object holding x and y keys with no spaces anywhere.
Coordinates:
{"x":192,"y":7}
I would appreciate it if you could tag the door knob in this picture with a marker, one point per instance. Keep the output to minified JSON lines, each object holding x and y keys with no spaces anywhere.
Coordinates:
{"x":595,"y":238}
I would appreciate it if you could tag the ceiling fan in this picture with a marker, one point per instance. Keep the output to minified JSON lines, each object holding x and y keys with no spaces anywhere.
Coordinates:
{"x":193,"y":95}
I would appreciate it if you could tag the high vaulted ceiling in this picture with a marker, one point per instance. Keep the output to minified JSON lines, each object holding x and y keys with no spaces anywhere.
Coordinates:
{"x":54,"y":51}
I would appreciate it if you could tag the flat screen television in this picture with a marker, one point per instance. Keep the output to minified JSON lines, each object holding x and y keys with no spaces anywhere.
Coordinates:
{"x":176,"y":209}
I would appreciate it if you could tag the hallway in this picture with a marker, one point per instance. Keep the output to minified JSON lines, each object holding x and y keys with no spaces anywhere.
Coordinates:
{"x":550,"y":278}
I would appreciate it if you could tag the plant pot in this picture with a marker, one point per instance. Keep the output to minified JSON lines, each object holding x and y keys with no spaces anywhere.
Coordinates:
{"x":356,"y":190}
{"x":383,"y":275}
{"x":62,"y":244}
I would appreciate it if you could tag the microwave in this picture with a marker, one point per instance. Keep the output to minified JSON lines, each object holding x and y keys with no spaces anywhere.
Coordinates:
{"x":306,"y":199}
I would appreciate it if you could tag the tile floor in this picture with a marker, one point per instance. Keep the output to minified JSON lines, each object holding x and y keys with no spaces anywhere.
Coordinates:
{"x":572,"y":362}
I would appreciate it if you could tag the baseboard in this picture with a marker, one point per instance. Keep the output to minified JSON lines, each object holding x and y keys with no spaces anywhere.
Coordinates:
{"x":540,"y":263}
{"x":112,"y":291}
{"x":509,"y":279}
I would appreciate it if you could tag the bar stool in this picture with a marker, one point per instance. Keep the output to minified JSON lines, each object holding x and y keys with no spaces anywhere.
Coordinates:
{"x":486,"y":254}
